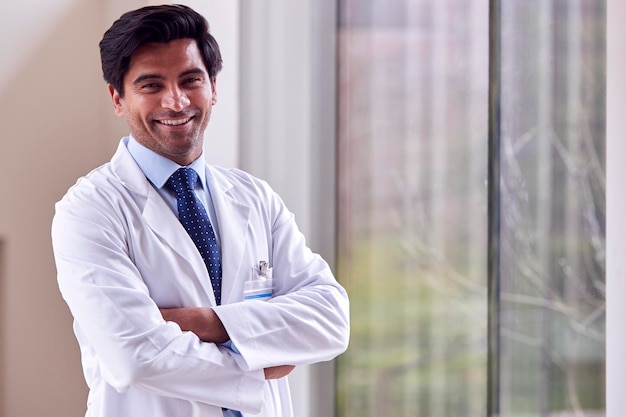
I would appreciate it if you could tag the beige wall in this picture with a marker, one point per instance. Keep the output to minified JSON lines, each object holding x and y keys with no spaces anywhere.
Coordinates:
{"x":56,"y":124}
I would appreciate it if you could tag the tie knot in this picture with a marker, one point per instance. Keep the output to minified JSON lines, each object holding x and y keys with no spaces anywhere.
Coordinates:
{"x":183,"y":179}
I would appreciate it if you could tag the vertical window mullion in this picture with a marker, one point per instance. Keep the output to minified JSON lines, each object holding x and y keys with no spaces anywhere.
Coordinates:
{"x":493,"y":212}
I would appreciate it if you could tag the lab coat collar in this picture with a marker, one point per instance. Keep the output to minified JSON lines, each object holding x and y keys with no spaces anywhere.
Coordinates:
{"x":128,"y":172}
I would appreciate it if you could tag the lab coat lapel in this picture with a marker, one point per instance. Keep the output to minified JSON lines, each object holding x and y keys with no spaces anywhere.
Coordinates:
{"x":159,"y":217}
{"x":233,"y":218}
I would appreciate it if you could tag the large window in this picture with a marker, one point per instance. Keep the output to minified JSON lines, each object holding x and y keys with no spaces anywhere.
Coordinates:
{"x":471,"y":207}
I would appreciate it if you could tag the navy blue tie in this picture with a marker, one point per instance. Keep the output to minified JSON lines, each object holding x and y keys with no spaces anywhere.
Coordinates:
{"x":194,"y":218}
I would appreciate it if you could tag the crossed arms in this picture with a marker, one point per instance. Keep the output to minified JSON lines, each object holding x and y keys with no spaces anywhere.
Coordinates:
{"x":209,"y":328}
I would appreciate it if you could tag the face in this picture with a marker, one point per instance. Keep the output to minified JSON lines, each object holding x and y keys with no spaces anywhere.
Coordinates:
{"x":168,"y":97}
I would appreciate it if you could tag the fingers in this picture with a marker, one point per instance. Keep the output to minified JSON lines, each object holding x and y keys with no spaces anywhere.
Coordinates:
{"x":276,"y":372}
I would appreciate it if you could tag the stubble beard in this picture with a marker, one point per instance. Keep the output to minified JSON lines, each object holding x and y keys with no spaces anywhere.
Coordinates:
{"x":181,"y":147}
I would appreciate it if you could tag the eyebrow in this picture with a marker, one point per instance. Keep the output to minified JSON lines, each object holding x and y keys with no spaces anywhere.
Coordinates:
{"x":145,"y":77}
{"x":199,"y":71}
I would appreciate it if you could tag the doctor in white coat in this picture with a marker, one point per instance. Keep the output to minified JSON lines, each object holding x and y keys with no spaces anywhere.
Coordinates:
{"x":153,"y":340}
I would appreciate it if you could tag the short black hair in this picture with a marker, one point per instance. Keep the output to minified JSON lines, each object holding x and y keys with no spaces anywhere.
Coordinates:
{"x":154,"y":24}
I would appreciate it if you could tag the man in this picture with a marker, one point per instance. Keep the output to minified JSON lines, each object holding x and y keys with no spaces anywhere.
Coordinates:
{"x":155,"y":273}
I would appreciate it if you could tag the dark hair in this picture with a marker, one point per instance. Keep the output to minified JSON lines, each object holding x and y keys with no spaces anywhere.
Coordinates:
{"x":154,"y":24}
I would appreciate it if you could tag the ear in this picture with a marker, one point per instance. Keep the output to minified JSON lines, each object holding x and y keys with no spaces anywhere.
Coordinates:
{"x":117,"y":101}
{"x":214,"y":92}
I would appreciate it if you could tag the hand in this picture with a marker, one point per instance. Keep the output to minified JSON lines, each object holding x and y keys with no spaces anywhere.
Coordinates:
{"x":201,"y":321}
{"x":276,"y":372}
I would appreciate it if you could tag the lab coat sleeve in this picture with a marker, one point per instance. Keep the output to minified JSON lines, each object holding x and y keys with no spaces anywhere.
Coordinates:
{"x":307,"y":320}
{"x":113,"y":310}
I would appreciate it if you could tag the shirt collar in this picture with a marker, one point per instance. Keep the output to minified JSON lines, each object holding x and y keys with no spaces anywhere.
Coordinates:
{"x":158,"y":169}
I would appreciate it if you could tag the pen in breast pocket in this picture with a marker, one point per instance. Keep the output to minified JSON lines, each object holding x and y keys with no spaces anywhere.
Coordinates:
{"x":260,"y":285}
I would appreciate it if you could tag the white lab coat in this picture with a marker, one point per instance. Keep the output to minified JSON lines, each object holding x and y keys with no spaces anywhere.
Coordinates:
{"x":122,"y":254}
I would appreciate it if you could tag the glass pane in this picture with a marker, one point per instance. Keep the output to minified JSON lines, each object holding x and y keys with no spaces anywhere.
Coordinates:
{"x":413,"y":78}
{"x":552,"y":208}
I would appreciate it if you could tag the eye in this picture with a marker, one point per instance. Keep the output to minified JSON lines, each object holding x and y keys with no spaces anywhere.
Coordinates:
{"x":151,"y":87}
{"x":192,"y":80}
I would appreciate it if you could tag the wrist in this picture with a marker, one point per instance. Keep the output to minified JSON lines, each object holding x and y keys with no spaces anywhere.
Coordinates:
{"x":215,"y":331}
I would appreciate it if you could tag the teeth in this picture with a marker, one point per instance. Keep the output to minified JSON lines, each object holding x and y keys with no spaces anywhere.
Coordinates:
{"x":174,"y":122}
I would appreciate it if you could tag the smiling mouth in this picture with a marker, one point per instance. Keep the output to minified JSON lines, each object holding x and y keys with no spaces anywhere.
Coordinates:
{"x":174,"y":122}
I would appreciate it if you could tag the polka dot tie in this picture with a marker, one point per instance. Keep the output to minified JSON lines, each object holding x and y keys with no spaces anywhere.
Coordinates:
{"x":194,"y":218}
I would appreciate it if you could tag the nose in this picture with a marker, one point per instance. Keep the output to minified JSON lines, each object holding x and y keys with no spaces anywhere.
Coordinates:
{"x":175,"y":99}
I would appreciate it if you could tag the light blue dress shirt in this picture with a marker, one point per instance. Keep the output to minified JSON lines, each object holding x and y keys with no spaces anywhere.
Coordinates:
{"x":158,"y":170}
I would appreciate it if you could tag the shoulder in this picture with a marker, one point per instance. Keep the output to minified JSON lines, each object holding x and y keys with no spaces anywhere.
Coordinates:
{"x":244,"y":188}
{"x":89,"y":198}
{"x":239,"y":182}
{"x":103,"y":193}
{"x":89,"y":206}
{"x":91,"y":185}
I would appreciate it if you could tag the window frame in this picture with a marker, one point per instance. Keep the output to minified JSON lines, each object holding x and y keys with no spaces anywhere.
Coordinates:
{"x":616,"y":207}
